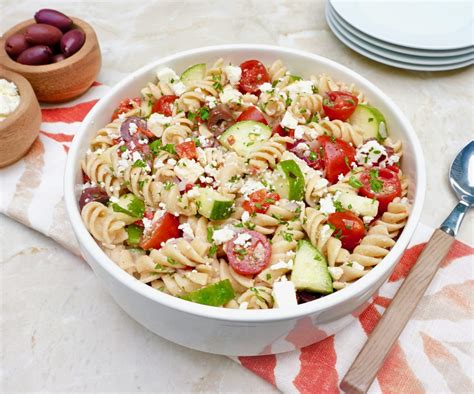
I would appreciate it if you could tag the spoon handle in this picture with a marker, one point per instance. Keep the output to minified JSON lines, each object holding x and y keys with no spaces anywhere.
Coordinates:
{"x":368,"y":362}
{"x":453,"y":221}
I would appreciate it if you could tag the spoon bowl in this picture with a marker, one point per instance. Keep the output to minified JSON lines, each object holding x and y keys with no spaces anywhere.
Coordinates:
{"x":461,"y":174}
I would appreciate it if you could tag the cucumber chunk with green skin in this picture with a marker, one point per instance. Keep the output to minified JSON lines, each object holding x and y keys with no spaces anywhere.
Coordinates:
{"x":310,"y":270}
{"x":214,"y":205}
{"x":359,"y":205}
{"x":193,"y":74}
{"x":289,"y":180}
{"x":243,"y":137}
{"x":371,"y":121}
{"x":134,"y":234}
{"x":129,"y":205}
{"x":218,"y":294}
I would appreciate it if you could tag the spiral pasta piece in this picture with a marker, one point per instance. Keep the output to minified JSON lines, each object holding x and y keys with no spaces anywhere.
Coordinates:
{"x":100,"y":171}
{"x":305,"y":106}
{"x":339,"y":129}
{"x":174,"y":202}
{"x":240,"y":283}
{"x":268,"y":153}
{"x":181,"y":253}
{"x":272,"y":104}
{"x":315,"y":188}
{"x":373,"y":247}
{"x":395,"y":217}
{"x":103,"y":224}
{"x":258,"y":297}
{"x":277,"y":70}
{"x":105,"y":136}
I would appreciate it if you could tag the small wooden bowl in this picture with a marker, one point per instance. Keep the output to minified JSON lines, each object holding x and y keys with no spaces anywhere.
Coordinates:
{"x":20,"y":129}
{"x":62,"y":81}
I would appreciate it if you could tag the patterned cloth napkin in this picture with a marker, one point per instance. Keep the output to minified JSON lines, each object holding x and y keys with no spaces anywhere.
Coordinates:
{"x":433,"y":354}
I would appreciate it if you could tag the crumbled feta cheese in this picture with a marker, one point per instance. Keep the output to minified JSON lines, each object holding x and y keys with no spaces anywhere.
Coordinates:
{"x":233,"y":74}
{"x":194,"y":193}
{"x":302,"y":148}
{"x":156,"y":121}
{"x":299,"y":87}
{"x":132,"y":128}
{"x":167,"y":75}
{"x":245,"y":217}
{"x":159,"y":213}
{"x":367,"y":219}
{"x":299,"y":132}
{"x":265,"y":87}
{"x":188,"y":170}
{"x":171,"y":162}
{"x":178,"y":88}
{"x":370,"y":152}
{"x":147,"y":224}
{"x":325,"y":231}
{"x":230,"y":95}
{"x":114,"y":199}
{"x":136,"y":156}
{"x":211,"y":102}
{"x":187,"y":230}
{"x":250,"y":186}
{"x":9,"y":98}
{"x":327,"y":204}
{"x":122,"y":116}
{"x":289,"y":121}
{"x":284,"y":294}
{"x":336,"y":272}
{"x":279,"y":265}
{"x":340,"y":177}
{"x":242,"y":239}
{"x":222,"y":235}
{"x":393,"y":159}
{"x":244,"y":305}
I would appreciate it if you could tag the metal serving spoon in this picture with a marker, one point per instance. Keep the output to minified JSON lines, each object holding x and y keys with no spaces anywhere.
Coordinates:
{"x":368,"y":362}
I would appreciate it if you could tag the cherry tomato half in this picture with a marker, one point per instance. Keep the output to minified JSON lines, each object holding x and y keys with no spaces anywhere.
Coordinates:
{"x":382,"y":184}
{"x":164,"y":105}
{"x":254,"y":74}
{"x":339,"y":105}
{"x":186,"y":149}
{"x":259,"y":201}
{"x":252,"y":257}
{"x":349,"y":228}
{"x":163,"y":229}
{"x":338,"y":156}
{"x":252,"y":113}
{"x":125,"y":106}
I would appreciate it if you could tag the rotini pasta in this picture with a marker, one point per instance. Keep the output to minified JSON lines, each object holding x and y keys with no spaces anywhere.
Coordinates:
{"x":231,"y":185}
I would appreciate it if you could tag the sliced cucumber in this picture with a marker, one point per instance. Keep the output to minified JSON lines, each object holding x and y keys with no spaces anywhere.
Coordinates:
{"x":193,"y":73}
{"x":129,"y":208}
{"x":371,"y":122}
{"x":359,"y":205}
{"x":243,"y":137}
{"x":310,"y":270}
{"x":134,"y":234}
{"x":288,"y":180}
{"x":214,"y":205}
{"x":218,"y":294}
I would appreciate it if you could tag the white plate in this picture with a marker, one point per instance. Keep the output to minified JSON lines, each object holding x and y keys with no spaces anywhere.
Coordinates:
{"x":396,"y":48}
{"x":436,"y":25}
{"x":390,"y":62}
{"x":399,"y":57}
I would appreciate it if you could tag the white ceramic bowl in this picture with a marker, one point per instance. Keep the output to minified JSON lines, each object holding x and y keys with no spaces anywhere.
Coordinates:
{"x":242,"y":332}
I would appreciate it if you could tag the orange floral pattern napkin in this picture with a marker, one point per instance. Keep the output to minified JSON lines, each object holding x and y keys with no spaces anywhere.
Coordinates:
{"x":433,"y":354}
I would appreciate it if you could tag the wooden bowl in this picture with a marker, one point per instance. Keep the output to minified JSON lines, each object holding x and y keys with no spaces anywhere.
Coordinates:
{"x":20,"y":129}
{"x":62,"y":81}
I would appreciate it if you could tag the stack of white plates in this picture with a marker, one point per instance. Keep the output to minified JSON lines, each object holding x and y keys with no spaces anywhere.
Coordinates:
{"x":419,"y":35}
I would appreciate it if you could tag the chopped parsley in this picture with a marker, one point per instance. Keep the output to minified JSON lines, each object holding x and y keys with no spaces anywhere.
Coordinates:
{"x":168,"y":185}
{"x":337,"y":204}
{"x":375,"y":183}
{"x":312,"y":156}
{"x":354,"y":182}
{"x":139,"y":163}
{"x":210,"y":233}
{"x":171,"y":261}
{"x":212,"y":250}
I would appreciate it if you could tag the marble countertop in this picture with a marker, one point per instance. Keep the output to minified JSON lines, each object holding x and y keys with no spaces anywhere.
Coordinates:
{"x":60,"y":329}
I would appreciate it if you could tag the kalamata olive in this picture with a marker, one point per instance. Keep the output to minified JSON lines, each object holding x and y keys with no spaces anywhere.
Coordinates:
{"x":220,"y":118}
{"x":41,"y":34}
{"x":90,"y":194}
{"x":72,"y":41}
{"x":16,"y":44}
{"x":57,"y":58}
{"x":39,"y":54}
{"x":53,"y":18}
{"x":305,"y":296}
{"x":129,"y":129}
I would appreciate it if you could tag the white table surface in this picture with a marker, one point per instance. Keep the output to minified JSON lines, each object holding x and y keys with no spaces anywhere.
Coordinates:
{"x":60,"y":330}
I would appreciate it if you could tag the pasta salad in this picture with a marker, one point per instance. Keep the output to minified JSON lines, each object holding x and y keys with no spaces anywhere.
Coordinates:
{"x":245,"y":186}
